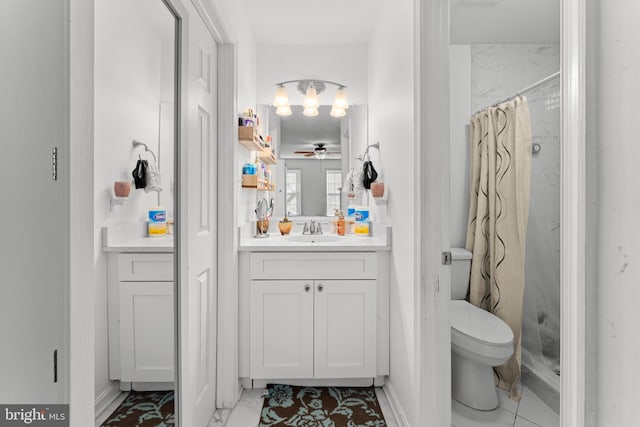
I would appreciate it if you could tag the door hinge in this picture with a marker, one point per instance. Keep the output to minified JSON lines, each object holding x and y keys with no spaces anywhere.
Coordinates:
{"x":54,"y":163}
{"x":446,"y":258}
{"x":55,"y":366}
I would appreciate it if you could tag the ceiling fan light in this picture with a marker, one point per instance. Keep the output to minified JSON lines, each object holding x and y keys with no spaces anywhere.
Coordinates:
{"x":310,"y":112}
{"x":321,"y":154}
{"x":284,"y":111}
{"x":281,"y":99}
{"x":311,"y":100}
{"x":340,"y":101}
{"x":337,"y":112}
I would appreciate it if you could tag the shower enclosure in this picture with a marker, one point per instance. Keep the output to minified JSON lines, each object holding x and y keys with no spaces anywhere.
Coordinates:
{"x":498,"y":71}
{"x":541,"y":321}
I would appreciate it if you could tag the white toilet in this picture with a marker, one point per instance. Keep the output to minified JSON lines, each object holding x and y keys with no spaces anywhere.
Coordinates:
{"x":479,"y":341}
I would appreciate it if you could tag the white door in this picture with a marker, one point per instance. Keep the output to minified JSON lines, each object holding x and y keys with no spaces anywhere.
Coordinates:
{"x":146,"y":331}
{"x":281,"y":324}
{"x":33,"y":253}
{"x":199,"y":293}
{"x":345,"y":329}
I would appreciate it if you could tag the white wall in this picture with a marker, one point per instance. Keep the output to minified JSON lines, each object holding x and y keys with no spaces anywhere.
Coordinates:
{"x":340,"y":63}
{"x":128,"y":69}
{"x":460,"y":111}
{"x":499,"y":71}
{"x":613,"y":144}
{"x":233,"y":14}
{"x":391,"y":121}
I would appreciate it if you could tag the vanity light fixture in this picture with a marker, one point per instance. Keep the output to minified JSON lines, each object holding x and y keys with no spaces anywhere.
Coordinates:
{"x":281,"y":99}
{"x":311,"y":89}
{"x":310,"y":112}
{"x":283,"y":111}
{"x":337,"y":112}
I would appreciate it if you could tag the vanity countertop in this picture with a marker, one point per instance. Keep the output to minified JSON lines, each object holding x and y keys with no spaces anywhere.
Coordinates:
{"x":380,"y":241}
{"x":132,"y":238}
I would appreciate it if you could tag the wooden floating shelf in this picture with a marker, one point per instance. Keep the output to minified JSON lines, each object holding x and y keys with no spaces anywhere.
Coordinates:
{"x":267,"y":156}
{"x":248,"y":138}
{"x":252,"y":181}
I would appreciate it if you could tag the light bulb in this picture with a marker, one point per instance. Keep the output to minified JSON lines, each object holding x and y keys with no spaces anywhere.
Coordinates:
{"x":310,"y":112}
{"x":340,"y":101}
{"x":284,"y":111}
{"x":311,"y":98}
{"x":281,"y":99}
{"x":337,"y":112}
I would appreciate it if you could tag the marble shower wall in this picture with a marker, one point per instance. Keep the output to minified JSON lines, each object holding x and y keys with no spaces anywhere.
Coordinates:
{"x":499,"y":71}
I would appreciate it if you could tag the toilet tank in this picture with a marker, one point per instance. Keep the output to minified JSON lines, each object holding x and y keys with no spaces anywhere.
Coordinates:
{"x":460,"y":271}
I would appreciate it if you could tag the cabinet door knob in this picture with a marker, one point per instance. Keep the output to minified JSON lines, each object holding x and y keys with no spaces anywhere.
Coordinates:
{"x":307,"y":288}
{"x":320,"y":287}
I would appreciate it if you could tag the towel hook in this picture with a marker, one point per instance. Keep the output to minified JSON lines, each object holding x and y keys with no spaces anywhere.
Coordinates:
{"x":366,"y":152}
{"x":137,"y":143}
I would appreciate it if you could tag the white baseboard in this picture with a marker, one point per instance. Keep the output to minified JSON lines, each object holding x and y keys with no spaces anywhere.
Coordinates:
{"x":106,"y":399}
{"x":396,"y":408}
{"x":338,"y":382}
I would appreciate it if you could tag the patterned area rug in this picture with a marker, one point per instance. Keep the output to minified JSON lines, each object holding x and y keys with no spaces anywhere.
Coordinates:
{"x":144,"y":409}
{"x":292,"y":406}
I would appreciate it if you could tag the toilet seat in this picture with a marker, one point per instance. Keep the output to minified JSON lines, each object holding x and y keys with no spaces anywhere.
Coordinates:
{"x":478,"y":331}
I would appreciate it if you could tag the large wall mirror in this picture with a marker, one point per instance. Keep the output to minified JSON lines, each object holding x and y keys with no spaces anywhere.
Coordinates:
{"x":314,"y":155}
{"x":136,"y":88}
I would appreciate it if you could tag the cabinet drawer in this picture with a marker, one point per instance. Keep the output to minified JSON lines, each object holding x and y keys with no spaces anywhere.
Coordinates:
{"x":327,"y":265}
{"x":145,"y":267}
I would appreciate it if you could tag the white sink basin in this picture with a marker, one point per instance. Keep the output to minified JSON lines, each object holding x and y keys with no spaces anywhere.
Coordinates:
{"x":319,"y":238}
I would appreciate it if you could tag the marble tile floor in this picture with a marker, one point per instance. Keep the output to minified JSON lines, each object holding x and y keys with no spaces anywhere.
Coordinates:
{"x":247,"y":411}
{"x":529,"y":412}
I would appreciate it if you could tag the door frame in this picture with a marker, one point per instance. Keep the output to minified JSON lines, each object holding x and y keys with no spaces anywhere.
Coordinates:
{"x":573,"y":321}
{"x":432,"y":117}
{"x":228,"y":387}
{"x":80,"y":363}
{"x":433,"y":331}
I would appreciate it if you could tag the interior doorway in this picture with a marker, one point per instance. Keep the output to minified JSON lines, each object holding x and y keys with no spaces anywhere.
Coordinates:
{"x":569,"y":93}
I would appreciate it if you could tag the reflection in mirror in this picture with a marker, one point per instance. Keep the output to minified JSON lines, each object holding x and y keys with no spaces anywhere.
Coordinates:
{"x":313,"y":157}
{"x":135,"y":90}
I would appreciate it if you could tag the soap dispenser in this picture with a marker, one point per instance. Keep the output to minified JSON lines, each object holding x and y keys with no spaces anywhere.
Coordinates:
{"x":340,"y":226}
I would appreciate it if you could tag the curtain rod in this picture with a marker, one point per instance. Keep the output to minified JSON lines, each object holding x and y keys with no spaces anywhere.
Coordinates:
{"x":525,"y":90}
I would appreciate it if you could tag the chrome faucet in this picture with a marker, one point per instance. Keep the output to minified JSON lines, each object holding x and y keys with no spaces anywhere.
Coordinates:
{"x":312,"y":227}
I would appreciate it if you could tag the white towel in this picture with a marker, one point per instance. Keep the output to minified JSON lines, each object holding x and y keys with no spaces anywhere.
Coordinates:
{"x":153,"y":178}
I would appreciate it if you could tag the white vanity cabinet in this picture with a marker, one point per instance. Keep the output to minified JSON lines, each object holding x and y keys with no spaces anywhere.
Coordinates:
{"x":345,"y":341}
{"x":141,"y":320}
{"x":313,"y":328}
{"x":281,"y":329}
{"x":314,"y":315}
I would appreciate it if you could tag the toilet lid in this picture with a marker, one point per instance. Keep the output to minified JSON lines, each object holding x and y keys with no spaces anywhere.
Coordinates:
{"x":479,"y":325}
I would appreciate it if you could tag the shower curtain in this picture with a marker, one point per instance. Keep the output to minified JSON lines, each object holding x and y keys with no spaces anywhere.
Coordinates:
{"x":498,"y":214}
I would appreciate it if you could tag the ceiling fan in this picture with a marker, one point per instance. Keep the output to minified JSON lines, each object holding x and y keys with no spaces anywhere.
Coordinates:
{"x":320,"y":151}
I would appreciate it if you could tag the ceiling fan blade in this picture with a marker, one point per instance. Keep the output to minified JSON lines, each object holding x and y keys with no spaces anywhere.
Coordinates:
{"x":303,"y":152}
{"x":310,"y":154}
